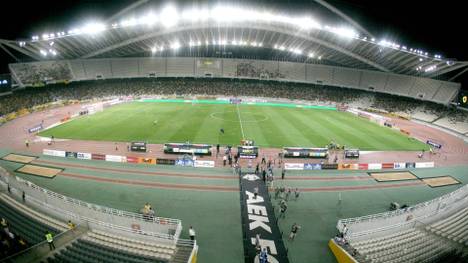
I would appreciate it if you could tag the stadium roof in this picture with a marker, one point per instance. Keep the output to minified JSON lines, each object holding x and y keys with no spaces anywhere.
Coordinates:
{"x":139,"y":30}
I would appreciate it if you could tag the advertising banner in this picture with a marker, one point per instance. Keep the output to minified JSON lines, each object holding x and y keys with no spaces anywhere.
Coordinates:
{"x":434,"y":144}
{"x":36,"y":128}
{"x":115,"y":158}
{"x":399,"y":165}
{"x":375,"y":166}
{"x":54,"y":153}
{"x":165,"y":161}
{"x":131,"y":159}
{"x":387,"y":166}
{"x":363,"y":166}
{"x":96,"y":156}
{"x":348,"y":166}
{"x":71,"y":154}
{"x":293,"y":166}
{"x":312,"y":166}
{"x":329,"y":166}
{"x":410,"y":165}
{"x":184,"y":162}
{"x":208,"y":164}
{"x":147,"y":160}
{"x":425,"y":165}
{"x":84,"y":156}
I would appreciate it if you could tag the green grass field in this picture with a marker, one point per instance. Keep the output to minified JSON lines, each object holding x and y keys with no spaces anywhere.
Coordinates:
{"x":200,"y":123}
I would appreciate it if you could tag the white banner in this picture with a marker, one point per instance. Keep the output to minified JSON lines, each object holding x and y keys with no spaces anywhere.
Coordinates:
{"x":84,"y":156}
{"x":425,"y":165}
{"x":208,"y":164}
{"x":116,"y":158}
{"x":399,"y":165}
{"x":293,"y":166}
{"x":374,"y":166}
{"x":53,"y":153}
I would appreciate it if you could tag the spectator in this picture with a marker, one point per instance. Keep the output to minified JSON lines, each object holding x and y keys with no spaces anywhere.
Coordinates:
{"x":192,"y":233}
{"x":50,"y":240}
{"x":71,"y":226}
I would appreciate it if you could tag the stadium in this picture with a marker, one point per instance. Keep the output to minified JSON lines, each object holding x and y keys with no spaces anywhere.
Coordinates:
{"x":222,"y":132}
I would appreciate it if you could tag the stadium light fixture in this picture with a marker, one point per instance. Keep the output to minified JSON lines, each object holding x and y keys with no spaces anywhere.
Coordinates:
{"x":149,"y":19}
{"x":311,"y":55}
{"x":43,"y":52}
{"x":93,"y":28}
{"x":199,"y":43}
{"x":175,"y":45}
{"x":320,"y":58}
{"x":282,"y":48}
{"x":169,"y":16}
{"x":154,"y":50}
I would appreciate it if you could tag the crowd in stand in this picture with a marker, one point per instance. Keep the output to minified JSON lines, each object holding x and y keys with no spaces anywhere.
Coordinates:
{"x":84,"y":90}
{"x":10,"y":243}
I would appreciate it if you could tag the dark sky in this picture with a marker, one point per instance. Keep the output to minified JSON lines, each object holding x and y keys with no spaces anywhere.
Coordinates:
{"x":435,"y":27}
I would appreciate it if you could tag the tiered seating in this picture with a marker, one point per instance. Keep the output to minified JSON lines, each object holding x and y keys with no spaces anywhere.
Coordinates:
{"x":98,"y":245}
{"x":406,"y":246}
{"x":26,"y":222}
{"x":89,"y":252}
{"x":454,"y":227}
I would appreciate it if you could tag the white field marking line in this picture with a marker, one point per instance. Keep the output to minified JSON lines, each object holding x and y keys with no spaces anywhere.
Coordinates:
{"x":240,"y":121}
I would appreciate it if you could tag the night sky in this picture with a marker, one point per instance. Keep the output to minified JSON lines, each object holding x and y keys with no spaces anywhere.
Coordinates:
{"x":434,"y":27}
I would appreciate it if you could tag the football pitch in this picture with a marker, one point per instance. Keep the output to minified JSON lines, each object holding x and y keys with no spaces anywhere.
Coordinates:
{"x":268,"y":126}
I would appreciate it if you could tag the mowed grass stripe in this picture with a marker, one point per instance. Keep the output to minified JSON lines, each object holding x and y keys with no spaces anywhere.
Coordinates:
{"x":377,"y":133}
{"x":321,"y":130}
{"x":313,"y":137}
{"x":200,"y":123}
{"x":272,"y":132}
{"x":349,"y":136}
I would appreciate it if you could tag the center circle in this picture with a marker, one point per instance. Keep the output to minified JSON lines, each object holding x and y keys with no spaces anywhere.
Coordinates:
{"x":215,"y":115}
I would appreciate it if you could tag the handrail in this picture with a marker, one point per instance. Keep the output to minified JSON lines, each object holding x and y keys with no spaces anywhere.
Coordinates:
{"x":405,"y":210}
{"x":455,"y":197}
{"x":157,"y":220}
{"x":35,"y":246}
{"x":108,"y":210}
{"x":194,"y":251}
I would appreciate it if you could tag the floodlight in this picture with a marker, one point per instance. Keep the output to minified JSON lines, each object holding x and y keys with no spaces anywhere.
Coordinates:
{"x":199,"y":43}
{"x":175,"y":45}
{"x":169,"y":16}
{"x":420,"y":59}
{"x":153,"y":50}
{"x":282,"y":48}
{"x":320,"y":57}
{"x":45,"y":36}
{"x":51,"y":43}
{"x":92,"y":28}
{"x":311,"y":55}
{"x":260,"y":44}
{"x":43,"y":52}
{"x":148,"y":20}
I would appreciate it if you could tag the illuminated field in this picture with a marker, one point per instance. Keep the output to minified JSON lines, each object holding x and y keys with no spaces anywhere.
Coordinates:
{"x":201,"y":123}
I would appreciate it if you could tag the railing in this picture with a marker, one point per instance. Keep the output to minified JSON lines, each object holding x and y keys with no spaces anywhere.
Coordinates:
{"x":98,"y":216}
{"x":397,"y":217}
{"x":193,"y":253}
{"x":43,"y":243}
